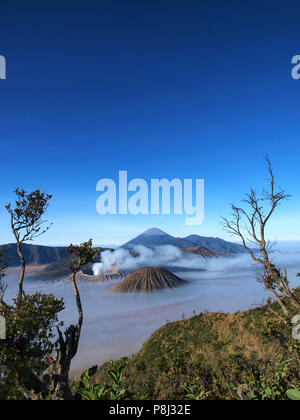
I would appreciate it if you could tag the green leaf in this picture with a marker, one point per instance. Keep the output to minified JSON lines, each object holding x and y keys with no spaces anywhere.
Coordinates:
{"x":293,"y":394}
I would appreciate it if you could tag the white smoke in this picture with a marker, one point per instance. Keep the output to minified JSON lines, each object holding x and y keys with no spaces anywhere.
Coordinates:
{"x":139,"y":256}
{"x":164,"y":255}
{"x":170,"y":256}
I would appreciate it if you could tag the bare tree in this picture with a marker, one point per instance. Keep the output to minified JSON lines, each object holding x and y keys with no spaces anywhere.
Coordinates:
{"x":27,"y":223}
{"x":249,"y":224}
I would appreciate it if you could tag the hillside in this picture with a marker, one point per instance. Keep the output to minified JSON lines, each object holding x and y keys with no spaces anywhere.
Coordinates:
{"x":34,"y":254}
{"x":213,"y":354}
{"x":55,"y":270}
{"x":148,"y":279}
{"x":155,"y":237}
{"x":216,"y":245}
{"x":200,"y":250}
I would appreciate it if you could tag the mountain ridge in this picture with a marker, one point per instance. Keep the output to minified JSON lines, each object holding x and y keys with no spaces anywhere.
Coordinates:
{"x":202,"y":245}
{"x":33,"y":254}
{"x":156,"y":237}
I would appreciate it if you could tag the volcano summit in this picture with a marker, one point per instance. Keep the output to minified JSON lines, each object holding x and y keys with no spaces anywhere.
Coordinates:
{"x":149,"y":279}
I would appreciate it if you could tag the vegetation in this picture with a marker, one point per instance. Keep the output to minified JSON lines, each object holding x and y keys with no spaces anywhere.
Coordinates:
{"x":293,"y":394}
{"x":30,"y":345}
{"x":149,"y":279}
{"x":84,"y":390}
{"x":246,"y":355}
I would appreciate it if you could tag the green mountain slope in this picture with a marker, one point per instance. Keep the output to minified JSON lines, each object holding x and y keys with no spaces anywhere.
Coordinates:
{"x":214,"y":353}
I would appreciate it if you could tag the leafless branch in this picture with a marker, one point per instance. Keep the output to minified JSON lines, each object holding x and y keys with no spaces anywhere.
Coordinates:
{"x":249,"y":222}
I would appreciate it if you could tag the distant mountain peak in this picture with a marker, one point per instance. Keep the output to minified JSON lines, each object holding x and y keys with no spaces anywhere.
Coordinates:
{"x":154,"y":231}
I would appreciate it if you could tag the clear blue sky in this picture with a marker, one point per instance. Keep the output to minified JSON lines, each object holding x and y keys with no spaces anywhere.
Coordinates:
{"x":197,"y":89}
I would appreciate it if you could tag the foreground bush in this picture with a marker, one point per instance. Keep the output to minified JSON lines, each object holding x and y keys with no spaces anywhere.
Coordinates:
{"x":30,"y":342}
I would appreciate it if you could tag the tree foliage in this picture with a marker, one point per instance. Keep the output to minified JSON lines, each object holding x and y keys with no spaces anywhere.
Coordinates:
{"x":30,"y":342}
{"x":84,"y":253}
{"x":26,"y":216}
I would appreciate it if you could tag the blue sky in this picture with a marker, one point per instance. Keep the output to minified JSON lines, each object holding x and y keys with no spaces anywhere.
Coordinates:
{"x":198,"y":89}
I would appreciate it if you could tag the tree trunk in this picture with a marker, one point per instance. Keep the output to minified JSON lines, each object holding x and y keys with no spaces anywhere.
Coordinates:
{"x":282,"y":305}
{"x":292,"y":298}
{"x":22,"y":273}
{"x":67,"y":350}
{"x":288,"y":293}
{"x":78,"y":300}
{"x":60,"y":374}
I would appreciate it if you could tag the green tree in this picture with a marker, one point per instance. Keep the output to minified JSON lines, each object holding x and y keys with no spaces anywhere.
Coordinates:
{"x":83,"y":253}
{"x":27,"y":223}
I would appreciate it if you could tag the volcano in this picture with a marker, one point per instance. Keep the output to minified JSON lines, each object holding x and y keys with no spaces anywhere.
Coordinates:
{"x":149,"y":279}
{"x":156,"y":237}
